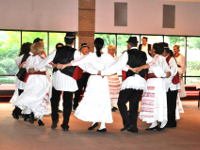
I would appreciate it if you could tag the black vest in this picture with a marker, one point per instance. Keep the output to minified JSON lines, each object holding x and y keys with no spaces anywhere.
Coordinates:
{"x":65,"y":55}
{"x":136,"y":58}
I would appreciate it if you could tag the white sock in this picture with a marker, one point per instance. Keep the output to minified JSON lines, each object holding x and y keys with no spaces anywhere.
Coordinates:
{"x":163,"y":124}
{"x":103,"y":125}
{"x":93,"y":123}
{"x":41,"y":118}
{"x":153,"y":124}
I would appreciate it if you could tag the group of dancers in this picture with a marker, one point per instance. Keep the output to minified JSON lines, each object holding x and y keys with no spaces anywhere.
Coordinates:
{"x":154,"y":79}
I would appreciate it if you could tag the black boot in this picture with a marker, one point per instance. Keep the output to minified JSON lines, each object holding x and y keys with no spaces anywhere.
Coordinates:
{"x":31,"y":118}
{"x":26,"y":117}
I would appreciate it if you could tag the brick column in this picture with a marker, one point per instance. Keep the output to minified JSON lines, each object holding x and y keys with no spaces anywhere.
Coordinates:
{"x":86,"y":24}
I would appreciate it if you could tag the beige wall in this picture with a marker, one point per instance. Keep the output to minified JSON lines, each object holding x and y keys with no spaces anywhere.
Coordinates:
{"x":144,"y":16}
{"x":55,"y":15}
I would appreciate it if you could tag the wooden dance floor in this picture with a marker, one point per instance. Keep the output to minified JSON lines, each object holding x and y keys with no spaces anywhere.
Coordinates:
{"x":20,"y":135}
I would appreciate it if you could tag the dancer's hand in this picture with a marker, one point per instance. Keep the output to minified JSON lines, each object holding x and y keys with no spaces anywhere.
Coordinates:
{"x":99,"y":73}
{"x":20,"y":65}
{"x":31,"y":70}
{"x":136,"y":70}
{"x":168,"y":74}
{"x":59,"y":66}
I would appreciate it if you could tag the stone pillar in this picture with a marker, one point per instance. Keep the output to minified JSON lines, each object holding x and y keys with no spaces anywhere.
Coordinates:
{"x":86,"y":23}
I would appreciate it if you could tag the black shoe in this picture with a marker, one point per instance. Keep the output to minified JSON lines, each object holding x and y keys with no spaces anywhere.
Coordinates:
{"x":31,"y":116}
{"x":59,"y":111}
{"x":125,"y":127}
{"x":64,"y":128}
{"x":102,"y":130}
{"x":94,"y":126}
{"x":114,"y":109}
{"x":40,"y":123}
{"x":26,"y":117}
{"x":170,"y":126}
{"x":132,"y":129}
{"x":150,"y":129}
{"x":54,"y":124}
{"x":160,"y":129}
{"x":15,"y":116}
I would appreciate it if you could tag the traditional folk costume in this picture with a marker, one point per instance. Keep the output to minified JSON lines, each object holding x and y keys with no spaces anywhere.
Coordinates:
{"x":114,"y":86}
{"x":154,"y":100}
{"x":62,"y":81}
{"x":95,"y":105}
{"x":172,"y":90}
{"x":35,"y":97}
{"x":132,"y":87}
{"x":180,"y":59}
{"x":19,"y":86}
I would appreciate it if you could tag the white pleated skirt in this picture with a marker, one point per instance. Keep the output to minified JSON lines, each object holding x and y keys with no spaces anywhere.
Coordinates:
{"x":95,"y":105}
{"x":35,"y":96}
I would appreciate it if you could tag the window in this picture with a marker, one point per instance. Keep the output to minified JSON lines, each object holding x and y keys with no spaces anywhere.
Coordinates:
{"x":193,"y":63}
{"x":9,"y":50}
{"x":121,"y":43}
{"x":31,"y":36}
{"x":108,"y":39}
{"x":55,"y":38}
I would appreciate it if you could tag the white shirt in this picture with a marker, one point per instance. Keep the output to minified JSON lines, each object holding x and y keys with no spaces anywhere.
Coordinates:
{"x":181,"y":62}
{"x":132,"y":82}
{"x":60,"y":81}
{"x":145,"y":48}
{"x":173,"y":70}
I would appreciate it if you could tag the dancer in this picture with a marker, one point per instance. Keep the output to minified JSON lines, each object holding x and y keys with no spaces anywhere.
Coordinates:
{"x":35,"y":97}
{"x":20,"y":85}
{"x":154,"y":100}
{"x":84,"y":50}
{"x":133,"y":86}
{"x":172,"y":86}
{"x":113,"y":80}
{"x":95,"y":105}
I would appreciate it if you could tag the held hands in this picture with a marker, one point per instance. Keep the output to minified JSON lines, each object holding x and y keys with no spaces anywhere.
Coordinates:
{"x":168,"y":74}
{"x":59,"y":66}
{"x":136,"y":70}
{"x":20,"y":65}
{"x":31,"y":70}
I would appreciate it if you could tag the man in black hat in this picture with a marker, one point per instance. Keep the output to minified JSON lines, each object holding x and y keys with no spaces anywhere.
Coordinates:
{"x":172,"y":86}
{"x":62,"y":79}
{"x":85,"y":49}
{"x":133,"y":85}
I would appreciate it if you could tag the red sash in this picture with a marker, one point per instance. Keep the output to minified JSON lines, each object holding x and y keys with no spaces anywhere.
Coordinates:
{"x":175,"y":80}
{"x":123,"y":75}
{"x":77,"y":73}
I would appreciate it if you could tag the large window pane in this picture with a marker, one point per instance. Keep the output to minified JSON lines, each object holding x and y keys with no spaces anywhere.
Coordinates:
{"x":55,"y":38}
{"x":193,"y":53}
{"x":31,"y":36}
{"x":121,"y":43}
{"x":9,"y":50}
{"x":176,"y":40}
{"x":152,"y":39}
{"x":108,"y":39}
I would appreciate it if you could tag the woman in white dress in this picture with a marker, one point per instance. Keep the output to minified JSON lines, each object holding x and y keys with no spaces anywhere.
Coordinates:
{"x":20,"y":85}
{"x":154,"y":100}
{"x":180,"y":59}
{"x":113,"y":80}
{"x":95,"y":105}
{"x":35,"y":97}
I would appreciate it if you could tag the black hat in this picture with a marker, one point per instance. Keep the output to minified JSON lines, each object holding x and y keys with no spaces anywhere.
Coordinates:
{"x":70,"y":35}
{"x":84,"y":45}
{"x":37,"y":40}
{"x":166,"y":46}
{"x":132,"y":39}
